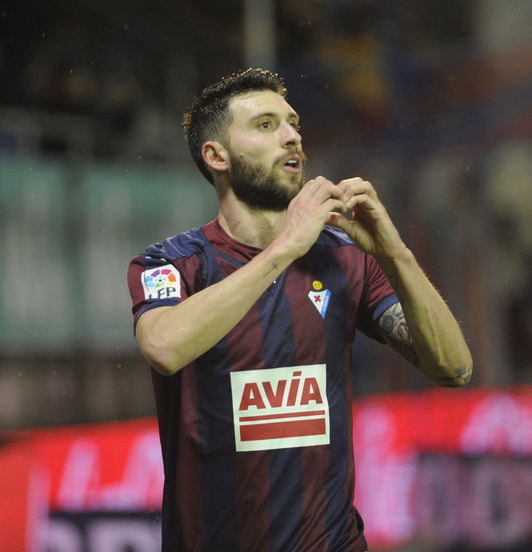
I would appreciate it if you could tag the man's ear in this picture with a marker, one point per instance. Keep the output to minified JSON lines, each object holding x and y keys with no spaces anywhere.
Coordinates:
{"x":215,"y":156}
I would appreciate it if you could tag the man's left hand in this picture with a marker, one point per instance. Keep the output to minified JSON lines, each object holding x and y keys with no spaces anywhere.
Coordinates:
{"x":371,"y":228}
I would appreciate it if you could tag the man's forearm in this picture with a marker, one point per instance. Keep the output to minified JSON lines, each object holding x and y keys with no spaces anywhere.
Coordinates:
{"x":171,"y":337}
{"x":441,"y":351}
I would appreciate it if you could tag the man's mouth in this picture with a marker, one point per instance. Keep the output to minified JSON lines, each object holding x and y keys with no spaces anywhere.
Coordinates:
{"x":293,"y":164}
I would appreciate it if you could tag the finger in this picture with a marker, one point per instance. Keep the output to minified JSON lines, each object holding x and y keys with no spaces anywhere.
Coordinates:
{"x":324,"y":190}
{"x":356,"y":186}
{"x":336,"y":219}
{"x":339,"y":221}
{"x":363,"y":201}
{"x":317,"y":183}
{"x":344,"y":184}
{"x":318,"y":199}
{"x":335,"y":204}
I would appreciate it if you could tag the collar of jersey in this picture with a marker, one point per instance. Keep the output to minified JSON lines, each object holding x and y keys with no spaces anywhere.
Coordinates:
{"x":222,"y":241}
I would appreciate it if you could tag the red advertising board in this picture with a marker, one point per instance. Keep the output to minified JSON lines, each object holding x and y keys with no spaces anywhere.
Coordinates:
{"x":451,"y":466}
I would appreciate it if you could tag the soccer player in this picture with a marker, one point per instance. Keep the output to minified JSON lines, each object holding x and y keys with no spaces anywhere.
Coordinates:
{"x":248,"y":323}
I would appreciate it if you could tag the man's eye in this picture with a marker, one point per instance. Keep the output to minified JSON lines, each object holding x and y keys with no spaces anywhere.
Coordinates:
{"x":266,"y":124}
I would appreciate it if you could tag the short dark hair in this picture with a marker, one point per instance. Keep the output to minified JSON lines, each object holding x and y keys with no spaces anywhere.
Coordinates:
{"x":209,"y":116}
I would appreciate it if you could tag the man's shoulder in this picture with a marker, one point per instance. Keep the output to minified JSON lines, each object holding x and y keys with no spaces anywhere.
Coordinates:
{"x":183,"y":245}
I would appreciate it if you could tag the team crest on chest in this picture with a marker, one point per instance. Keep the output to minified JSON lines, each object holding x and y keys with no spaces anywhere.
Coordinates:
{"x":319,"y":297}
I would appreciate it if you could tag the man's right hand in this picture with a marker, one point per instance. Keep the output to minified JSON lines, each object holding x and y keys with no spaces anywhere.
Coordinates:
{"x":307,"y":215}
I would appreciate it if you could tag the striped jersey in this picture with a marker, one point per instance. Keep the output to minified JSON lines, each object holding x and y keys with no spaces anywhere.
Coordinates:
{"x":256,"y":433}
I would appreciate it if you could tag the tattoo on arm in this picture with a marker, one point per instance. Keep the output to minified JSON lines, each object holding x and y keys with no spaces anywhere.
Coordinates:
{"x":393,"y":328}
{"x":274,"y":267}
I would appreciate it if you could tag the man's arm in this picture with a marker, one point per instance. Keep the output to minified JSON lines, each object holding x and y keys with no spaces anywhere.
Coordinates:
{"x":394,"y":329}
{"x":425,"y":332}
{"x":392,"y":326}
{"x":172,"y":337}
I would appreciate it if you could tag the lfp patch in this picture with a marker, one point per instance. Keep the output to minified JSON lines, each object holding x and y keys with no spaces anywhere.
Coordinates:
{"x":163,"y":282}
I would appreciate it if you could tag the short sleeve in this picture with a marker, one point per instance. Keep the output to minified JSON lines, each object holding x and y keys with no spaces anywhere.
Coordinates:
{"x":154,"y":282}
{"x":377,"y":297}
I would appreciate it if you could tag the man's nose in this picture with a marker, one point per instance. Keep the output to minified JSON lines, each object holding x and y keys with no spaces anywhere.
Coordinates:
{"x":290,"y":136}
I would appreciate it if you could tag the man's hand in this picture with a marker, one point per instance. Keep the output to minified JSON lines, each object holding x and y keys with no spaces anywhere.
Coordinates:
{"x":371,"y":228}
{"x":308,"y":213}
{"x":172,"y":337}
{"x":431,"y":338}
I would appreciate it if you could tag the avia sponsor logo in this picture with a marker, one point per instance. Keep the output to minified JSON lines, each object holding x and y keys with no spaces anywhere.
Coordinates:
{"x":280,"y":407}
{"x":319,"y":297}
{"x":161,"y":283}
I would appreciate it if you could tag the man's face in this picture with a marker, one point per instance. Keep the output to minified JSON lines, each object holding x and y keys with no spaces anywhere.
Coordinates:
{"x":266,"y":159}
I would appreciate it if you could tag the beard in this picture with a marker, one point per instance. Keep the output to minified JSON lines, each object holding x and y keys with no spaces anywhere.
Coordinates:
{"x":264,"y":189}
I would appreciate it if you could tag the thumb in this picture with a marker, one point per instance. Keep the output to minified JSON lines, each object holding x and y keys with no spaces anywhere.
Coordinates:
{"x":337,"y":220}
{"x":351,"y":228}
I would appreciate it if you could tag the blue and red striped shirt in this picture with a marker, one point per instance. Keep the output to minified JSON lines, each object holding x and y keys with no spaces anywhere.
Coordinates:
{"x":256,"y":433}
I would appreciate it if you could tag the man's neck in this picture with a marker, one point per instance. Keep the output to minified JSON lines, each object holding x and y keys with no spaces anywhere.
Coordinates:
{"x":253,"y":227}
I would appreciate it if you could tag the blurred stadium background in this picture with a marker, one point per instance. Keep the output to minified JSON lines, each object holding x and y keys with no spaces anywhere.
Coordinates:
{"x":431,"y":101}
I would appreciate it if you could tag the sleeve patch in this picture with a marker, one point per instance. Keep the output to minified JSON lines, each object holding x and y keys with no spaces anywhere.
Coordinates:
{"x":163,"y":282}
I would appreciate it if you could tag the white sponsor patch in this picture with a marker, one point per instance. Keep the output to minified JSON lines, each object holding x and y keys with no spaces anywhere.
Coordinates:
{"x":280,"y":407}
{"x":163,"y":282}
